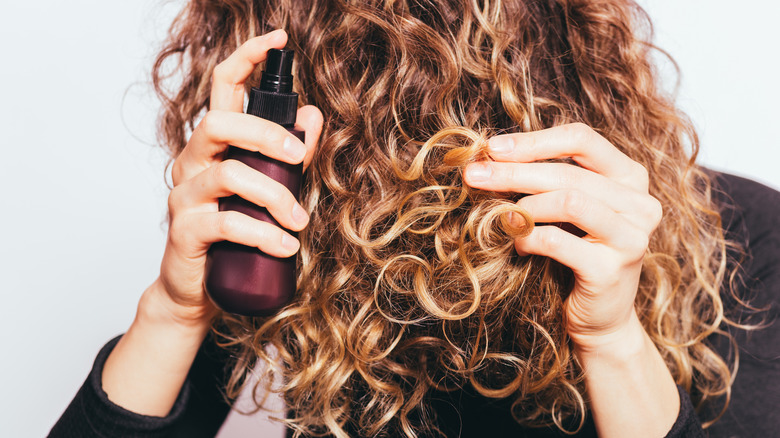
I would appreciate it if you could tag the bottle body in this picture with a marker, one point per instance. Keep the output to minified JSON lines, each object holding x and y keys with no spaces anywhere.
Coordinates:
{"x":242,"y":279}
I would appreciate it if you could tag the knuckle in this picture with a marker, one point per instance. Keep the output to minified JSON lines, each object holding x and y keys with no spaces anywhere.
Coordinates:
{"x":227,"y":173}
{"x":278,"y":197}
{"x":641,"y":171}
{"x":508,"y":173}
{"x":641,"y":174}
{"x":642,"y":241}
{"x":636,"y":246}
{"x":575,"y":204}
{"x":219,"y":72}
{"x":568,"y":176}
{"x":205,"y":125}
{"x":271,"y":132}
{"x":580,"y":132}
{"x":528,"y":143}
{"x":549,"y":240}
{"x":209,"y":125}
{"x":656,"y":212}
{"x":266,"y":232}
{"x":227,"y":224}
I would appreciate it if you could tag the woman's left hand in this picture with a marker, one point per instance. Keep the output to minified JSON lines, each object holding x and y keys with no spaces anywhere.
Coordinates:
{"x":607,"y":197}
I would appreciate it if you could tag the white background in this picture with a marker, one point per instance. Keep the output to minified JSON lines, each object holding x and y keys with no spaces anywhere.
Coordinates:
{"x":81,"y":181}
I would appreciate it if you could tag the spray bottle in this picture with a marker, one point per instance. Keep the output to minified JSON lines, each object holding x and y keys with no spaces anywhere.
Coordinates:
{"x":242,"y":279}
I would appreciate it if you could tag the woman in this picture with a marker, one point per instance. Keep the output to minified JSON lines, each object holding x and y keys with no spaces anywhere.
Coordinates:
{"x":502,"y":231}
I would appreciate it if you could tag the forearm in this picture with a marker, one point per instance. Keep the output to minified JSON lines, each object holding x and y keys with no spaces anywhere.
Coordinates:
{"x":146,"y":370}
{"x":631,"y":391}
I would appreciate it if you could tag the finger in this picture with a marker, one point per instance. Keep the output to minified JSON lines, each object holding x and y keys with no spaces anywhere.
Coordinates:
{"x":218,"y":129}
{"x":591,"y":215}
{"x":227,"y":87}
{"x":533,"y":178}
{"x":208,"y":228}
{"x":577,"y":141}
{"x":309,"y":119}
{"x":234,"y":177}
{"x":222,"y":128}
{"x":568,"y":249}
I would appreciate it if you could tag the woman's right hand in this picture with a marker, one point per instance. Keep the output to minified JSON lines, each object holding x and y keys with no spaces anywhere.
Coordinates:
{"x":148,"y":366}
{"x":200,"y":178}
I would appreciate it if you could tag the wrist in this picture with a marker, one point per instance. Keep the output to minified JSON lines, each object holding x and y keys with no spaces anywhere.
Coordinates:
{"x":145,"y":371}
{"x":631,"y":390}
{"x":157,"y":308}
{"x":628,"y":342}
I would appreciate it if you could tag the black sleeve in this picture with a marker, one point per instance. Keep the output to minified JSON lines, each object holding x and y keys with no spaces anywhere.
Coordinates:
{"x":198,"y":411}
{"x":687,"y":424}
{"x":752,"y":219}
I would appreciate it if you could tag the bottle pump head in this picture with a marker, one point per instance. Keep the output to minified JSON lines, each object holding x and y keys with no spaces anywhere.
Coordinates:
{"x":274,"y":99}
{"x":277,"y":76}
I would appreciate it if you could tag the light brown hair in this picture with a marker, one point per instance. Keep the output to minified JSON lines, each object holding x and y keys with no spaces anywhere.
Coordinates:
{"x":409,"y":280}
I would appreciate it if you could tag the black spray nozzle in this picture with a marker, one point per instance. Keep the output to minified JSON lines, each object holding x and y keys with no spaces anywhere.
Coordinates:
{"x":274,"y":100}
{"x":277,"y":76}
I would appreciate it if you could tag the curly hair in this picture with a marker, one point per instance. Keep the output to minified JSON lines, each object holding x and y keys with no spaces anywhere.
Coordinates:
{"x":409,"y":281}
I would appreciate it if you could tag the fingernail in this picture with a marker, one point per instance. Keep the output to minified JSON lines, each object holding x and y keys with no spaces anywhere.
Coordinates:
{"x":500,"y":144}
{"x":289,"y":242}
{"x":478,"y":172}
{"x":293,"y":149}
{"x":299,"y":214}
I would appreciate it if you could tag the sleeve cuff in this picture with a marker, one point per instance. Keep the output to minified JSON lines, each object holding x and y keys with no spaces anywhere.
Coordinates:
{"x":109,"y":419}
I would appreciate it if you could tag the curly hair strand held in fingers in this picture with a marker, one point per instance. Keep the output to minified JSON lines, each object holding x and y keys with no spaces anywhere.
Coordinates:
{"x":409,"y":280}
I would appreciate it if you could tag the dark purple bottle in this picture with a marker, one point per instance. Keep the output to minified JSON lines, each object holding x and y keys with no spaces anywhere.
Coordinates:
{"x":242,"y":279}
